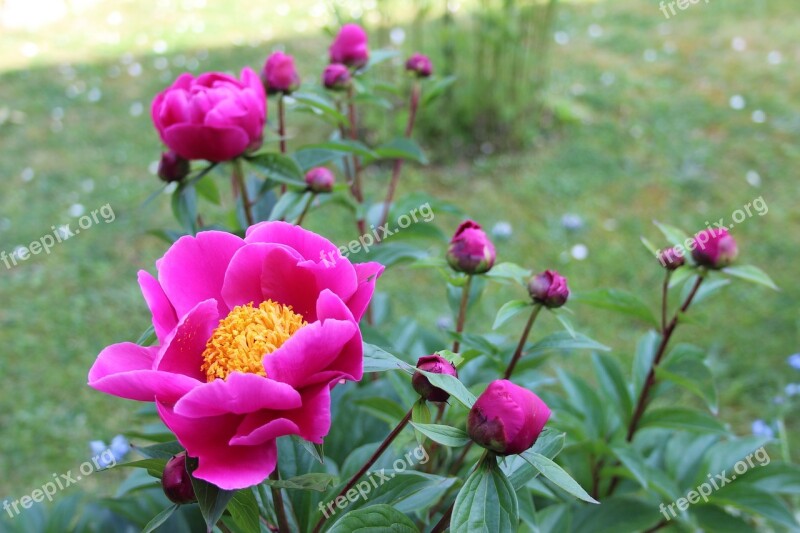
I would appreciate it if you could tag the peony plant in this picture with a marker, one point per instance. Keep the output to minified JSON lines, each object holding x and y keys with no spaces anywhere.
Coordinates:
{"x":281,"y":398}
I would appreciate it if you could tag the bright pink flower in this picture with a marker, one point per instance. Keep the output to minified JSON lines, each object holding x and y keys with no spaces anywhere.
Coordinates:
{"x":420,"y":65}
{"x":214,"y":116}
{"x":435,"y":364}
{"x":714,"y":248}
{"x":336,"y":77}
{"x":253,"y":333}
{"x":320,"y":179}
{"x":470,"y":250}
{"x":279,"y":74}
{"x":549,"y":288}
{"x":507,"y":418}
{"x":350,"y":46}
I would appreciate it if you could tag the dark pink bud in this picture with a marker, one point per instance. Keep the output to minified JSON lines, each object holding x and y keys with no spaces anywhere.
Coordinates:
{"x":176,"y":482}
{"x":320,"y":179}
{"x":507,"y":418}
{"x":470,"y":249}
{"x":420,"y":65}
{"x":671,"y":258}
{"x":172,"y":167}
{"x":714,"y":248}
{"x":336,"y":77}
{"x":279,"y":74}
{"x":350,"y":46}
{"x":435,"y":364}
{"x":549,"y":288}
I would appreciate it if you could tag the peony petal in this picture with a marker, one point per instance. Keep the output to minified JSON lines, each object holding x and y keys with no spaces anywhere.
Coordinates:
{"x":238,"y":394}
{"x":351,"y":359}
{"x":228,"y":467}
{"x":182,"y":351}
{"x":193,"y":269}
{"x":284,"y":282}
{"x":212,"y":143}
{"x":242,"y":283}
{"x":164,"y":318}
{"x":313,"y":349}
{"x":368,"y":274}
{"x":308,"y":244}
{"x":265,"y":428}
{"x":125,"y":370}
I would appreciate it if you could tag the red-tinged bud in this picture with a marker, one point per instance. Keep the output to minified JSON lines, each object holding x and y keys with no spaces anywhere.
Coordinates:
{"x":435,"y":364}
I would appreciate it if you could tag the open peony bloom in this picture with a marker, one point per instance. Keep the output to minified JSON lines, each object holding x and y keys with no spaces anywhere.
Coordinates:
{"x":350,"y":46}
{"x":252,"y":335}
{"x":214,"y":116}
{"x":507,"y":418}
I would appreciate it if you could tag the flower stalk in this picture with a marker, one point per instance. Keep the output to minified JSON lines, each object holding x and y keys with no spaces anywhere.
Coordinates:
{"x":462,"y":311}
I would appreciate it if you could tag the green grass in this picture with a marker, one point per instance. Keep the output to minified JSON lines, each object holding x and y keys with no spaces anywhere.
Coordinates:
{"x":660,"y":142}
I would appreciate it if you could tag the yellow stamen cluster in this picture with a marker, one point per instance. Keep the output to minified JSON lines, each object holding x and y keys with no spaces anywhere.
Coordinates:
{"x":245,"y":336}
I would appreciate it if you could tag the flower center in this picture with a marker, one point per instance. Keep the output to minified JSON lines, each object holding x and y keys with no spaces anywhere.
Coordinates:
{"x":242,"y":339}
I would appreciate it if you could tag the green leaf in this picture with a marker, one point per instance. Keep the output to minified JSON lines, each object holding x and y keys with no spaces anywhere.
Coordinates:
{"x":775,"y":478}
{"x":436,"y":89}
{"x":445,"y":435}
{"x":617,"y":514}
{"x":675,"y":236}
{"x":154,"y":467}
{"x":308,"y":158}
{"x":681,"y":418}
{"x":612,"y":383}
{"x":452,"y":386}
{"x":318,"y":482}
{"x":420,"y":414}
{"x":752,"y":274}
{"x":148,"y":336}
{"x":619,"y":301}
{"x":323,"y":106}
{"x":160,"y":518}
{"x":290,"y":205}
{"x":752,"y":500}
{"x":510,"y":310}
{"x":643,"y":360}
{"x":211,"y":499}
{"x":184,"y":207}
{"x":653,"y":249}
{"x":692,"y":375}
{"x":280,"y":168}
{"x":557,"y":475}
{"x":313,"y":449}
{"x":244,"y":510}
{"x":510,"y":272}
{"x":561,"y":316}
{"x":166,"y":450}
{"x":486,"y":503}
{"x":383,"y":409}
{"x":402,"y":148}
{"x":379,"y":360}
{"x":563,"y":341}
{"x":346,"y":146}
{"x":207,"y":188}
{"x":374,"y":519}
{"x":634,"y":462}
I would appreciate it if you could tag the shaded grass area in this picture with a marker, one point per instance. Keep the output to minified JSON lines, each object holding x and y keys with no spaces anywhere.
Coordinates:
{"x":657,"y":139}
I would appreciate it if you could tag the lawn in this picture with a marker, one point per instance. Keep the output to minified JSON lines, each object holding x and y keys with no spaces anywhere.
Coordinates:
{"x":683,"y":121}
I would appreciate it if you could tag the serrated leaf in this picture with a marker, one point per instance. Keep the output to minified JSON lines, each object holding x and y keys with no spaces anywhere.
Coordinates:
{"x":445,"y":435}
{"x":557,"y":475}
{"x":619,"y":301}
{"x":486,"y":503}
{"x":751,"y":273}
{"x":510,"y":310}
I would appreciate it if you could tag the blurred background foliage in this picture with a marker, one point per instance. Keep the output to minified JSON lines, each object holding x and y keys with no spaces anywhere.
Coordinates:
{"x":568,"y":128}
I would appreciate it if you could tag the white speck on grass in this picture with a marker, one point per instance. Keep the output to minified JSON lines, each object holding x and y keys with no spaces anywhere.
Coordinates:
{"x":739,"y":44}
{"x":397,"y":36}
{"x":27,"y":174}
{"x":753,"y":178}
{"x":135,"y":69}
{"x":87,"y":185}
{"x":76,"y":210}
{"x":94,"y":95}
{"x":30,"y":49}
{"x":136,"y":109}
{"x":608,"y":78}
{"x":775,"y":58}
{"x":561,"y":38}
{"x":579,"y":252}
{"x":759,"y":117}
{"x":159,"y":47}
{"x":160,"y":63}
{"x":737,"y":102}
{"x":650,"y":55}
{"x":152,"y":168}
{"x":595,"y":31}
{"x":114,"y":18}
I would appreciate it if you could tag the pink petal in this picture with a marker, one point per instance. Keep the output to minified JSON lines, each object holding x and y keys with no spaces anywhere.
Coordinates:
{"x":164,"y":318}
{"x":228,"y":467}
{"x":351,"y":358}
{"x":260,"y":428}
{"x":212,"y":143}
{"x":238,"y":394}
{"x":310,"y":245}
{"x":368,"y":274}
{"x":250,"y":264}
{"x":193,"y":269}
{"x":125,"y":370}
{"x":182,"y":350}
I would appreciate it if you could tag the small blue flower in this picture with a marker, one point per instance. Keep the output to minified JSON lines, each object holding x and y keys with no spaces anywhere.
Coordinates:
{"x":762,"y":429}
{"x":109,"y":455}
{"x":794,"y":361}
{"x":792,"y":389}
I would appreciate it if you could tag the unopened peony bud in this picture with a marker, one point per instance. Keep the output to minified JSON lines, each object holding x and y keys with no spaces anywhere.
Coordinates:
{"x":507,"y":419}
{"x":435,"y":364}
{"x":714,"y":248}
{"x":671,"y":258}
{"x":320,"y":179}
{"x":350,"y":46}
{"x":549,"y":288}
{"x":279,"y":74}
{"x":470,"y":250}
{"x":172,"y":167}
{"x":420,"y":65}
{"x":176,"y":482}
{"x":336,"y":77}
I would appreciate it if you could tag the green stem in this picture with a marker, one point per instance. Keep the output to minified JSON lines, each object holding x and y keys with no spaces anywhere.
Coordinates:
{"x":277,"y":500}
{"x":462,"y":311}
{"x":537,"y":307}
{"x":239,"y":185}
{"x":305,"y":209}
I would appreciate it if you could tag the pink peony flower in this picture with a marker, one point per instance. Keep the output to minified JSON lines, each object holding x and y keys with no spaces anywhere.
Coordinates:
{"x":714,"y":248}
{"x":320,"y":179}
{"x":470,"y":250}
{"x":279,"y":74}
{"x":253,"y":334}
{"x":435,"y":364}
{"x":507,"y":418}
{"x":420,"y":65}
{"x":350,"y":46}
{"x":336,"y":77}
{"x":549,"y":288}
{"x":214,"y":116}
